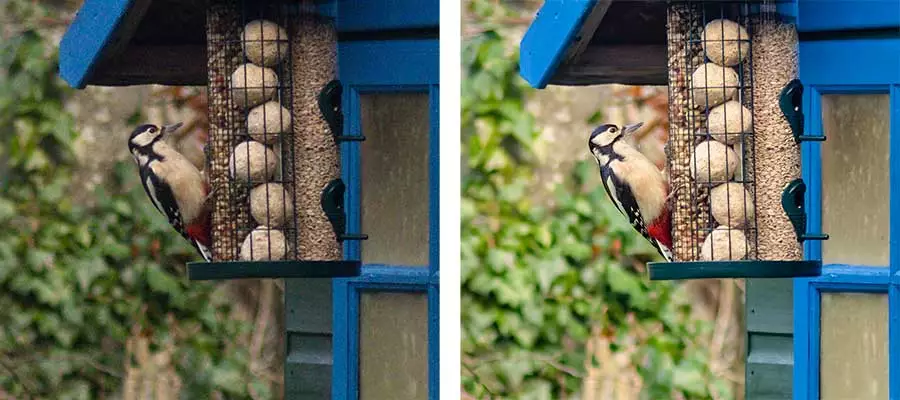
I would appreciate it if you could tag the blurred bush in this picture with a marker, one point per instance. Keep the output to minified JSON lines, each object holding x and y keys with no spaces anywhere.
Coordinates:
{"x":79,"y":284}
{"x":553,"y":293}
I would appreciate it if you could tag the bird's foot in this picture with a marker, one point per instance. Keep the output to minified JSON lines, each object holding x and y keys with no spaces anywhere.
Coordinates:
{"x":673,"y":191}
{"x":209,"y":195}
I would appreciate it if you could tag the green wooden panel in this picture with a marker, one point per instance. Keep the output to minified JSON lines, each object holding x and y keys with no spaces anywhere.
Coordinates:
{"x":308,"y":361}
{"x":770,"y":352}
{"x":308,"y":305}
{"x":771,"y":349}
{"x":770,"y":305}
{"x":769,"y":381}
{"x":307,"y":373}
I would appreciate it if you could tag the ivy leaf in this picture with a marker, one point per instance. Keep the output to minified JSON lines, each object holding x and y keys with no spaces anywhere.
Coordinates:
{"x":548,"y":271}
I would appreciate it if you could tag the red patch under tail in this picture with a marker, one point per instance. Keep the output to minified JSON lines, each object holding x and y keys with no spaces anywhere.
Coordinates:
{"x":201,"y":229}
{"x":661,"y":229}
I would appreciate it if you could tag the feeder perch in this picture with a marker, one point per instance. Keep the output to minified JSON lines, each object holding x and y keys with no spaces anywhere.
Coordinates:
{"x":330,"y":106}
{"x":791,"y":103}
{"x":792,"y":202}
{"x":274,"y":111}
{"x":333,"y":205}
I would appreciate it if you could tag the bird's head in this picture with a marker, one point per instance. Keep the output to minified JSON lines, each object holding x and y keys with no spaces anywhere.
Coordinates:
{"x":608,"y":134}
{"x":144,"y":136}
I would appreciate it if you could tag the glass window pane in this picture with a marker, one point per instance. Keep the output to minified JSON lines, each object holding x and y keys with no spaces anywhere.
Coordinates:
{"x":395,"y":178}
{"x":855,"y":186}
{"x":393,"y":346}
{"x":854,"y":346}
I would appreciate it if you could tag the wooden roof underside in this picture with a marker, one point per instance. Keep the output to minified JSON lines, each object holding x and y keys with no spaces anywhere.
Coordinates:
{"x":628,"y":47}
{"x":168,"y":45}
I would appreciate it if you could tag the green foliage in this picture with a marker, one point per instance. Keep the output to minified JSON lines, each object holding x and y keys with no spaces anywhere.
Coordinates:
{"x":77,"y":280}
{"x":539,"y":280}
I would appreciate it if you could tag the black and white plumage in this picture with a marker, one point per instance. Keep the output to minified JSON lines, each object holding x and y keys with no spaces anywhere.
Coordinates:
{"x":174,"y":185}
{"x":635,"y":185}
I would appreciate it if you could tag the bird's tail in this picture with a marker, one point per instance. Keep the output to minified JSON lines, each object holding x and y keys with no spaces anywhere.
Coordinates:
{"x":204,"y":251}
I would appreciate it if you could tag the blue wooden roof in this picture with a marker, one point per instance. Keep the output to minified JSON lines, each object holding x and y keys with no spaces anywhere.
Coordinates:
{"x":88,"y":38}
{"x":547,"y":41}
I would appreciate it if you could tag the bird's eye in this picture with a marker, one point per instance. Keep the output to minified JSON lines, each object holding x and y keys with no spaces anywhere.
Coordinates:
{"x":153,"y":130}
{"x":613,"y":129}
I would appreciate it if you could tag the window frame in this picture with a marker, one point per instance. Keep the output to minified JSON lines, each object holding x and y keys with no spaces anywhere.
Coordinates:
{"x":824,"y":70}
{"x":388,"y":66}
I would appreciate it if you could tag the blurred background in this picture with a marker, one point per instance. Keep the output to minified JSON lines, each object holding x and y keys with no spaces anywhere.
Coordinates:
{"x":555,"y":299}
{"x":94,"y":301}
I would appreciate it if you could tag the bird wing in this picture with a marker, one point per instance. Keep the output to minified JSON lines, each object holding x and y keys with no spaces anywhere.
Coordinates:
{"x":147,"y":184}
{"x":624,"y":200}
{"x":610,"y":187}
{"x":164,"y":200}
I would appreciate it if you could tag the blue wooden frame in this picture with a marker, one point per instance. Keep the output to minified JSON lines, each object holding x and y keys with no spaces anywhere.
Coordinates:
{"x":824,"y":70}
{"x":369,"y":15}
{"x":833,"y":15}
{"x":371,"y":67}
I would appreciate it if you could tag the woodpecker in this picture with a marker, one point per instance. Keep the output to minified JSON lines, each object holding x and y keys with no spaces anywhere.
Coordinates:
{"x":175,"y":186}
{"x":634,"y":184}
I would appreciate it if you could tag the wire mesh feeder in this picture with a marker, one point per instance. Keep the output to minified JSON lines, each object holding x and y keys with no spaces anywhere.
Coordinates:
{"x":731,"y":155}
{"x":273,"y":160}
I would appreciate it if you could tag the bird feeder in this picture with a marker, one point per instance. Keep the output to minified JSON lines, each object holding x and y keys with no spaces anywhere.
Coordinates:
{"x":275,"y":121}
{"x":733,"y":157}
{"x":735,"y":121}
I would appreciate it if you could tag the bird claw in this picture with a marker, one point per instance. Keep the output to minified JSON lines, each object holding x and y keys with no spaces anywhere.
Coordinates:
{"x":209,"y":195}
{"x":672,"y":193}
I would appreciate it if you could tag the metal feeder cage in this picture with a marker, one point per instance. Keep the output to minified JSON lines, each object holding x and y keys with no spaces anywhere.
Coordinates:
{"x":733,"y":150}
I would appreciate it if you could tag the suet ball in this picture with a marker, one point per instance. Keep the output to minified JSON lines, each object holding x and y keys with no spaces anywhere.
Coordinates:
{"x":731,"y":205}
{"x":252,"y":162}
{"x":265,"y":43}
{"x":713,"y":161}
{"x":270,"y":204}
{"x":713,"y":85}
{"x":252,"y":85}
{"x":724,"y":244}
{"x":266,"y":121}
{"x":727,"y":121}
{"x":726,"y":42}
{"x":264,"y":243}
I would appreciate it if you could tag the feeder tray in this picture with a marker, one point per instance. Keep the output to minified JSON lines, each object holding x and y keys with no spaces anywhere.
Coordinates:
{"x":202,"y":271}
{"x":660,"y":271}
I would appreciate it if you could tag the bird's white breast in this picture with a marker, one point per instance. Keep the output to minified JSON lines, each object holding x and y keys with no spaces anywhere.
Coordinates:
{"x":647,"y":183}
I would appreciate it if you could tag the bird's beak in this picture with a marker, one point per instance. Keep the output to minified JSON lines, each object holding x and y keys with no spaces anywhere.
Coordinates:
{"x":171,"y":128}
{"x":629,"y":129}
